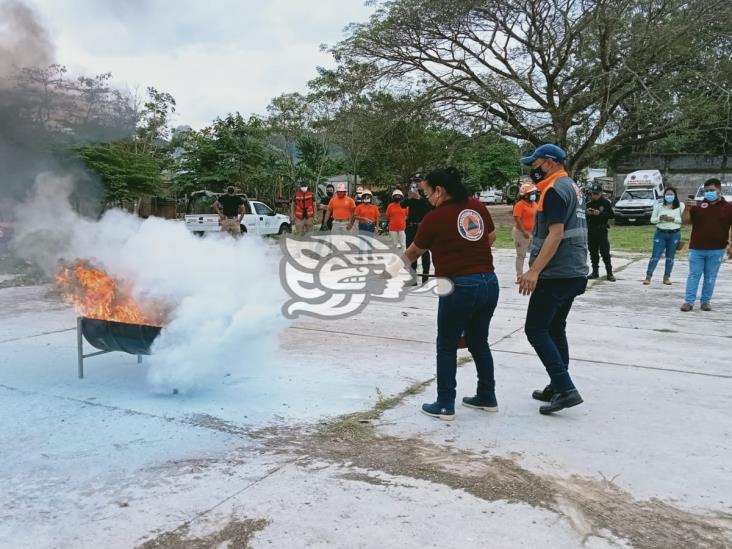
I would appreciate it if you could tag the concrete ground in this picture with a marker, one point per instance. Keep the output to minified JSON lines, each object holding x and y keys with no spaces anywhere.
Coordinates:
{"x":327,"y":448}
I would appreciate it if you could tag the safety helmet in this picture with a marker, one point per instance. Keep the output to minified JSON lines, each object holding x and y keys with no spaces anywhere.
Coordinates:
{"x":397,"y":192}
{"x":527,"y":188}
{"x":366,"y":192}
{"x":341,"y":188}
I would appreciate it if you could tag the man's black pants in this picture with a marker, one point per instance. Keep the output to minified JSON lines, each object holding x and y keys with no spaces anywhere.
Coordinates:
{"x":410,"y":233}
{"x":599,"y":245}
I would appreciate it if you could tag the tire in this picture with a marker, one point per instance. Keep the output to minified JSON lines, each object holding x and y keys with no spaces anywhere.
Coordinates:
{"x":243,"y":229}
{"x":198,"y":233}
{"x":285,"y":228}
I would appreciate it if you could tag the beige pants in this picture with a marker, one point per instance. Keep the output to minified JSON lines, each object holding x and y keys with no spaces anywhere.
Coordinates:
{"x":303,"y":226}
{"x":340,"y":227}
{"x":398,"y":239}
{"x":231,"y":225}
{"x":522,"y":244}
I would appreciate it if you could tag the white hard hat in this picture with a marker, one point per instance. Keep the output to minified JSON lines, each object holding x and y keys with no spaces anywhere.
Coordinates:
{"x":397,"y":192}
{"x":367,"y":191}
{"x":341,"y":187}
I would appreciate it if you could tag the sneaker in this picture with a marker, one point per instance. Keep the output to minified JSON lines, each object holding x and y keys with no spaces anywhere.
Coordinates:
{"x":545,"y":394}
{"x":439,"y":411}
{"x":610,"y":277}
{"x":489,"y":403}
{"x":560,"y":401}
{"x":593,"y":275}
{"x":647,"y":281}
{"x":667,"y":281}
{"x":686,"y":307}
{"x":706,"y":306}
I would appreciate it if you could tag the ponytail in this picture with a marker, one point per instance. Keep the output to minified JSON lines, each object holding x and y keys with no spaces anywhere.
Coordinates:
{"x":450,"y":180}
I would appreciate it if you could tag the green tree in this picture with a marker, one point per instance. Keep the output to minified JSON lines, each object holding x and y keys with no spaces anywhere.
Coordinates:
{"x":592,"y":75}
{"x":125,"y":173}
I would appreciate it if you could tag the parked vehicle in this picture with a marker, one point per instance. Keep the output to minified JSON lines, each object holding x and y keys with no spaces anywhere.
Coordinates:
{"x":643,"y":190}
{"x":258,"y":218}
{"x":726,"y":192}
{"x":491,"y":196}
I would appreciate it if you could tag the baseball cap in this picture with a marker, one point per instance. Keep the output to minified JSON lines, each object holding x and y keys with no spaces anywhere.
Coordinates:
{"x":596,"y":188}
{"x":553,"y":152}
{"x":417,"y":177}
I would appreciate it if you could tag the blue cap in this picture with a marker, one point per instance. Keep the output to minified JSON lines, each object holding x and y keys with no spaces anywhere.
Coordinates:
{"x":553,"y":152}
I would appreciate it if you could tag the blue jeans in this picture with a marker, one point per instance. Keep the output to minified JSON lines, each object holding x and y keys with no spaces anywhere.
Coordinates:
{"x":707,"y":263}
{"x":467,"y":310}
{"x":546,"y":323}
{"x":664,"y":241}
{"x":366,"y":227}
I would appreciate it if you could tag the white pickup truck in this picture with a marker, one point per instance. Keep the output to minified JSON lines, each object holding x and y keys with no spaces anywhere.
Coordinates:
{"x":258,"y":218}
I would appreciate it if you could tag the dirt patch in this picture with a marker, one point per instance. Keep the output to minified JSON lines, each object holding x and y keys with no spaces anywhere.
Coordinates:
{"x":237,"y":534}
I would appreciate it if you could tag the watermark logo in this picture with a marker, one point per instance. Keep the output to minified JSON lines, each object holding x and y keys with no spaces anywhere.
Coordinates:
{"x":333,"y":276}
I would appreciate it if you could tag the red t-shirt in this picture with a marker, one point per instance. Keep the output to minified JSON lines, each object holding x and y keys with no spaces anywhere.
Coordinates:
{"x":710,"y":225}
{"x":367,"y":212}
{"x":397,"y":216}
{"x":457,"y":236}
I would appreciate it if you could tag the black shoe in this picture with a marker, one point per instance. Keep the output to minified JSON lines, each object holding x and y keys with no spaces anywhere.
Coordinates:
{"x":439,"y":411}
{"x":610,"y":277}
{"x":560,"y":401}
{"x":489,"y":403}
{"x":545,"y":394}
{"x":593,"y":275}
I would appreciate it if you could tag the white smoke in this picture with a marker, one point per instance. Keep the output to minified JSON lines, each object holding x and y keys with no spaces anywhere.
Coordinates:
{"x":226,"y":293}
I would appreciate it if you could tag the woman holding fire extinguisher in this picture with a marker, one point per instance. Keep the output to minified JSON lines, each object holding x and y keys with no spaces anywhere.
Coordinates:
{"x":459,"y":233}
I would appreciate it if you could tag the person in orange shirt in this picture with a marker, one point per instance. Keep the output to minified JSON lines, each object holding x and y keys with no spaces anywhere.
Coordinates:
{"x":397,"y":217}
{"x":342,"y":209}
{"x":523,"y":218}
{"x":367,"y":213}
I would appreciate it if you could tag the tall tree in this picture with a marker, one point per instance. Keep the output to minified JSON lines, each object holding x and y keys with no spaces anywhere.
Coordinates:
{"x":591,"y":75}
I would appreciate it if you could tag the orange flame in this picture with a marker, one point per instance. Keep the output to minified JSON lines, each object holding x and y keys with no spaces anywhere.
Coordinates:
{"x":95,"y":294}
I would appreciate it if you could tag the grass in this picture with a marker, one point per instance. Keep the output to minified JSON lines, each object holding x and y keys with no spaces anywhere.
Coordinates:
{"x":626,"y":238}
{"x":360,"y":424}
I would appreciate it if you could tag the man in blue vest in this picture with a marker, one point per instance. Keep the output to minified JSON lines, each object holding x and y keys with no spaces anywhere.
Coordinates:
{"x":557,"y":272}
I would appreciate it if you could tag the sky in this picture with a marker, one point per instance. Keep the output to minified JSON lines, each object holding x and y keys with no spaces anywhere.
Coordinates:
{"x":213,"y":56}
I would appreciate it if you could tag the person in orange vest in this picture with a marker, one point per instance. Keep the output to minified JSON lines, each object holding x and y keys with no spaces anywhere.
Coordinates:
{"x":523,"y":218}
{"x":367,"y":213}
{"x":397,"y":217}
{"x":342,"y":209}
{"x":303,"y":210}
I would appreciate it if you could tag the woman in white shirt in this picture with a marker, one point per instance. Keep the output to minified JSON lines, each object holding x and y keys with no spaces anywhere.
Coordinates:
{"x":667,"y":218}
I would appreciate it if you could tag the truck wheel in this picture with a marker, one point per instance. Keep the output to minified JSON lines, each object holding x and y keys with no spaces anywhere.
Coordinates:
{"x":243,"y":229}
{"x":198,"y":233}
{"x":285,"y":228}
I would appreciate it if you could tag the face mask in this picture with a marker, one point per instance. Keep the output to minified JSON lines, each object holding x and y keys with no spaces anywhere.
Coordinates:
{"x":537,"y":174}
{"x":710,"y":196}
{"x":669,"y":198}
{"x":367,"y":201}
{"x":303,"y":189}
{"x":329,"y":193}
{"x":532,"y":197}
{"x":396,"y":198}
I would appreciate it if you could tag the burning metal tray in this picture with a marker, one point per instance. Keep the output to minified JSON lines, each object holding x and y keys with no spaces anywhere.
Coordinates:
{"x":110,"y":336}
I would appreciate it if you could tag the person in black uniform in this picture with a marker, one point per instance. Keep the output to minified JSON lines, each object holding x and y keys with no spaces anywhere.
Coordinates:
{"x":418,"y":208}
{"x":327,"y":222}
{"x":599,"y":212}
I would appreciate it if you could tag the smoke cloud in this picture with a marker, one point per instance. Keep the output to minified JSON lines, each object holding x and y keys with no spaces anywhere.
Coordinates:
{"x":225,"y":293}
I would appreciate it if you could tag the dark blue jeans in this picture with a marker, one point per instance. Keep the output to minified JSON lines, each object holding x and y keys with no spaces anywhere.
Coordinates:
{"x":467,"y":310}
{"x":546,"y":323}
{"x":366,"y":227}
{"x":663,"y":241}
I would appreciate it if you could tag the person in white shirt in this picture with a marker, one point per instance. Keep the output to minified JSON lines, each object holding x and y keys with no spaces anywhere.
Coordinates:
{"x":667,"y":218}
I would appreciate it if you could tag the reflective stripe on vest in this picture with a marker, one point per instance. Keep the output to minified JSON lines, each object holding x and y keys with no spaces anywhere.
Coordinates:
{"x":304,"y":203}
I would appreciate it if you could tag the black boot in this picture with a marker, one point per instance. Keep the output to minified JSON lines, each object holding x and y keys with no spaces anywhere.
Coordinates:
{"x":545,"y":394}
{"x":560,"y":401}
{"x":594,"y":274}
{"x":609,"y":270}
